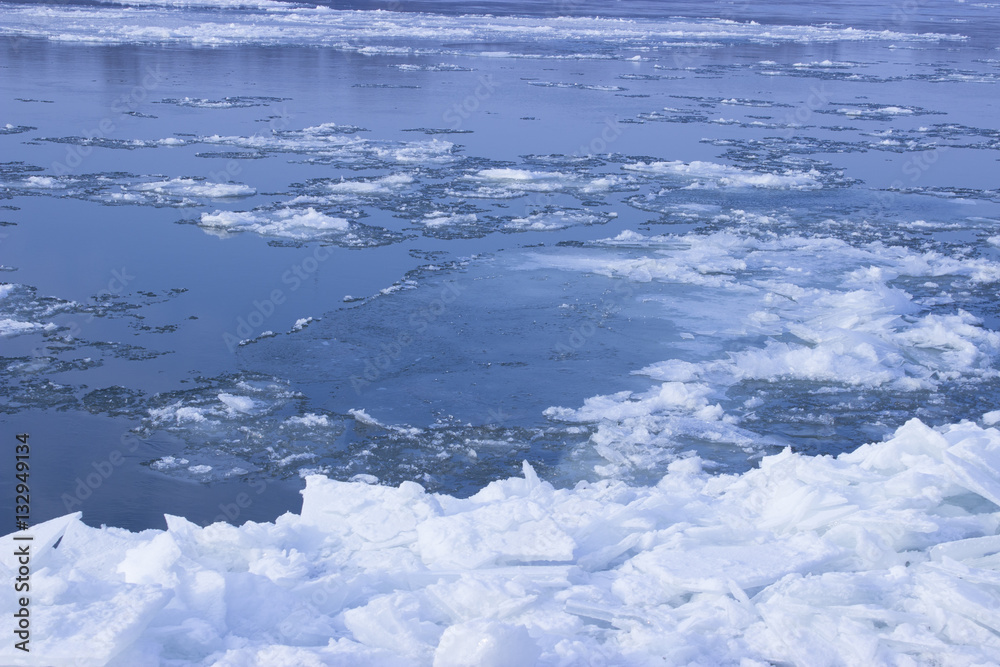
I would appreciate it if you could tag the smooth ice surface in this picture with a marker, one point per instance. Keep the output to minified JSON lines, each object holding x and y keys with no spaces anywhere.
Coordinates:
{"x":884,"y":555}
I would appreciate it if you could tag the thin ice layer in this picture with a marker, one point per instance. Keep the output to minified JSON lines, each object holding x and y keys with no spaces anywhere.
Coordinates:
{"x":885,"y":555}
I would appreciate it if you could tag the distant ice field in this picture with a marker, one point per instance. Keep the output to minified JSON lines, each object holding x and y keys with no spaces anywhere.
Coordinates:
{"x":292,"y":24}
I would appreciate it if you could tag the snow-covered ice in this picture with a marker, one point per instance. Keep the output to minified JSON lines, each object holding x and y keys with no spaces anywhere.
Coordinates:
{"x":884,"y":555}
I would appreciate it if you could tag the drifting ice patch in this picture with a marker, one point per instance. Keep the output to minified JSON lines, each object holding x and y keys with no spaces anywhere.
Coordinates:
{"x":338,"y":144}
{"x":284,"y":222}
{"x":239,"y":102}
{"x":877,"y":111}
{"x":710,"y":174}
{"x":13,"y":327}
{"x":8,"y":128}
{"x":507,"y":183}
{"x":381,"y":185}
{"x":122,"y":188}
{"x":22,"y":311}
{"x":559,"y":219}
{"x":436,"y":219}
{"x":190,"y":187}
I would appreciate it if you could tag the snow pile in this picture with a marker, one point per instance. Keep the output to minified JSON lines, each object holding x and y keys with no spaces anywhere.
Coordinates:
{"x":885,"y":555}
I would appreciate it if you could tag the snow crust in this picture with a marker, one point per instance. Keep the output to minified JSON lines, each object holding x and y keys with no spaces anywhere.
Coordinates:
{"x":885,"y":555}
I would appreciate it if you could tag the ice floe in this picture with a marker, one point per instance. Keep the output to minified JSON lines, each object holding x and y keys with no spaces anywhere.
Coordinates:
{"x":305,"y":223}
{"x":709,"y":174}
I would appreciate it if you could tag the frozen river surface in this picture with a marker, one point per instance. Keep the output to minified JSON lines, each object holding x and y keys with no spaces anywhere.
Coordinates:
{"x":673,"y":257}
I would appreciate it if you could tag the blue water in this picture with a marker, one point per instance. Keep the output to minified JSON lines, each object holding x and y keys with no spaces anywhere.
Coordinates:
{"x":891,"y":134}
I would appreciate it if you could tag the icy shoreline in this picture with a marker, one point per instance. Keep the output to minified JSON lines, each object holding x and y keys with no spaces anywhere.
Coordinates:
{"x":884,"y":555}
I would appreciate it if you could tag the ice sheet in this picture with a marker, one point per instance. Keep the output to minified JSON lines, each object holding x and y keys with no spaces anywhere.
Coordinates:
{"x":884,"y":555}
